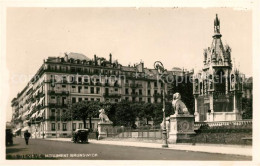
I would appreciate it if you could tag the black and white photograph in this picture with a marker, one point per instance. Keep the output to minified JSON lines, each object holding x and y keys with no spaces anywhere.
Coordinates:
{"x":144,"y":83}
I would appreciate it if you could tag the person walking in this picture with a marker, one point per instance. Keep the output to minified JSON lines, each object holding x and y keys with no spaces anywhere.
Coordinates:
{"x":97,"y":134}
{"x":27,"y":135}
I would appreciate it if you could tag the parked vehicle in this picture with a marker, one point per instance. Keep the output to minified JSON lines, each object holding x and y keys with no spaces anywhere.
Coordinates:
{"x":80,"y":135}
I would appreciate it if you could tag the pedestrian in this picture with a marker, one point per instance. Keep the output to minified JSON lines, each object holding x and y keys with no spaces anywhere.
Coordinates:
{"x":27,"y":135}
{"x":97,"y":134}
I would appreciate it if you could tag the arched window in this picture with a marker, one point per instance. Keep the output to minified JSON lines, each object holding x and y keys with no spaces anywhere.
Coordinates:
{"x":220,"y":81}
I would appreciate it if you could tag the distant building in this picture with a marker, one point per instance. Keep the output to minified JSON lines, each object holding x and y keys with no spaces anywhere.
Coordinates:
{"x":248,"y":88}
{"x":218,"y":87}
{"x":62,"y":81}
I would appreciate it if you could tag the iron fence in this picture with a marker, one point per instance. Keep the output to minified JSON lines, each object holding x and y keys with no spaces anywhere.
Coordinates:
{"x":149,"y":132}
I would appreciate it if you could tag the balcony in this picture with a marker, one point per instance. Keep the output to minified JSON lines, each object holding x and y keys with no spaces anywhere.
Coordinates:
{"x":156,"y":95}
{"x":54,"y":105}
{"x":136,"y":85}
{"x":112,"y":95}
{"x":52,"y":92}
{"x":135,"y":94}
{"x":39,"y":95}
{"x":52,"y":118}
{"x":98,"y":84}
{"x":76,"y":82}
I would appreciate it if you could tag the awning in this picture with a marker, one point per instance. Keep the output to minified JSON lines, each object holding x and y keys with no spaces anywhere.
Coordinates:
{"x":30,"y":111}
{"x":41,"y":113}
{"x":34,"y":115}
{"x":26,"y":113}
{"x":26,"y":121}
{"x":26,"y":128}
{"x":40,"y":100}
{"x":19,"y":116}
{"x":17,"y":130}
{"x":32,"y":105}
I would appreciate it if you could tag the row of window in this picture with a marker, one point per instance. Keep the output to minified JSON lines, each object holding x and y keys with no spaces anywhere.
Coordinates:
{"x":87,"y":79}
{"x":140,"y":99}
{"x":64,"y":126}
{"x":79,"y":89}
{"x":74,"y":99}
{"x":81,"y":126}
{"x":80,"y":69}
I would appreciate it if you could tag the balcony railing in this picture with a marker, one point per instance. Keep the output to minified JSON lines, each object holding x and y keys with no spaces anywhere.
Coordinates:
{"x":55,"y":105}
{"x":52,"y":118}
{"x":224,"y":123}
{"x":112,"y":95}
{"x":157,"y":95}
{"x":136,"y":94}
{"x":53,"y":92}
{"x":136,"y":85}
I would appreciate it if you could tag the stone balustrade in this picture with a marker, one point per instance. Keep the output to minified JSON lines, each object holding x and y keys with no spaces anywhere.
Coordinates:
{"x":224,"y":123}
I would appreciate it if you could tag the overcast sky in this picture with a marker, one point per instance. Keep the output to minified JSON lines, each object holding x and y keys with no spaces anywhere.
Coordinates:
{"x":175,"y":36}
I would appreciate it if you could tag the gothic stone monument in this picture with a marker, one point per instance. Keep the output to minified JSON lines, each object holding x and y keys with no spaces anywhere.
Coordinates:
{"x":104,"y":125}
{"x":181,"y":123}
{"x":217,"y":89}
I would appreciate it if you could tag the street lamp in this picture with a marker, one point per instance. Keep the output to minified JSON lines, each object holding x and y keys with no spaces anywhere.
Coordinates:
{"x":69,"y":106}
{"x":159,"y":67}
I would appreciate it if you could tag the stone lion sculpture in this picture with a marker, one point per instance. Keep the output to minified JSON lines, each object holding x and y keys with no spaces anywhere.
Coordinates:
{"x":178,"y":105}
{"x":102,"y":116}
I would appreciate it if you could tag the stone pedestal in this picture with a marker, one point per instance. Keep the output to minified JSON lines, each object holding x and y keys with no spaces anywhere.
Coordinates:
{"x":103,"y":128}
{"x":181,"y":128}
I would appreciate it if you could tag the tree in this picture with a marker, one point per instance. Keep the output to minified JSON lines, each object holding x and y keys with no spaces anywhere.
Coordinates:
{"x":82,"y":111}
{"x":158,"y":113}
{"x":92,"y":111}
{"x":247,"y":108}
{"x":147,"y":112}
{"x":124,"y":115}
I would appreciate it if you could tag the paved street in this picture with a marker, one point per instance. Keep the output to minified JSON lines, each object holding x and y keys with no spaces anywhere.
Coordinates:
{"x":91,"y":151}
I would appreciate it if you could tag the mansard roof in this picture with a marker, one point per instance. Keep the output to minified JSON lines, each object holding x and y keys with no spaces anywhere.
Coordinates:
{"x":79,"y":56}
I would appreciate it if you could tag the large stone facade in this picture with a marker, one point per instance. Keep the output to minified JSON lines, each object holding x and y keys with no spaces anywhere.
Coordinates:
{"x":62,"y":81}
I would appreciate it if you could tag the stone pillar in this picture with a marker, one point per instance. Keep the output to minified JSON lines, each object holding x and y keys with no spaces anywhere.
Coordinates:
{"x":103,"y":128}
{"x":226,"y":75}
{"x":235,"y":103}
{"x":196,"y":113}
{"x":210,"y":116}
{"x":181,"y":128}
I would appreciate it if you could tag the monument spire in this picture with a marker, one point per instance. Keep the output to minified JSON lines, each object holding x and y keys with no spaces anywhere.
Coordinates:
{"x":217,"y":28}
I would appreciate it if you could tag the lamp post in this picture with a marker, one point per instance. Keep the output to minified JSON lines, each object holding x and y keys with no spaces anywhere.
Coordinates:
{"x":159,"y":67}
{"x":69,"y":106}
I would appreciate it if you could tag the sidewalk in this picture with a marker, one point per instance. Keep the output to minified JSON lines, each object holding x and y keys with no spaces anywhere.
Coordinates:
{"x":208,"y":148}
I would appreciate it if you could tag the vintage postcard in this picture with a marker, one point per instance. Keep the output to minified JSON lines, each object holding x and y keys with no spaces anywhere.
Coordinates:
{"x":155,"y":83}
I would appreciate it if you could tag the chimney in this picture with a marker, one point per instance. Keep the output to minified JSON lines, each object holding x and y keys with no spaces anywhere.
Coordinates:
{"x":110,"y":58}
{"x":95,"y":59}
{"x":142,"y":64}
{"x":66,"y":57}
